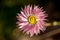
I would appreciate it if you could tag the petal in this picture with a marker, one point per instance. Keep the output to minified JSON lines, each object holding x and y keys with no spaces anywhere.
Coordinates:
{"x":29,"y":29}
{"x":26,"y":27}
{"x":23,"y":14}
{"x":41,"y":14}
{"x":31,"y":32}
{"x":42,"y":26}
{"x":21,"y":17}
{"x":27,"y":10}
{"x":22,"y":25}
{"x":42,"y":18}
{"x":36,"y":10}
{"x":21,"y":22}
{"x":30,"y":10}
{"x":36,"y":29}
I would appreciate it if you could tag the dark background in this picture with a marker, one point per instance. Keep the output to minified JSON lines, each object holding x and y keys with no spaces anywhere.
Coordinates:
{"x":10,"y":8}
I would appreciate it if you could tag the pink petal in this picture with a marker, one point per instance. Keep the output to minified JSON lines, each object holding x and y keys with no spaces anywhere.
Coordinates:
{"x":42,"y":26}
{"x":36,"y":10}
{"x":22,"y":25}
{"x":20,"y":17}
{"x":36,"y":29}
{"x":30,"y":10}
{"x":26,"y":27}
{"x":23,"y":14}
{"x":31,"y":32}
{"x":27,"y":10}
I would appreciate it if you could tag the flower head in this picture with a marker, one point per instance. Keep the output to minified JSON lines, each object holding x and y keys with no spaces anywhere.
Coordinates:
{"x":31,"y":20}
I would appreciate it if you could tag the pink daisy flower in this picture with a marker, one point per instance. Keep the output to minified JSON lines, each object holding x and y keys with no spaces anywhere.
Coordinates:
{"x":31,"y":20}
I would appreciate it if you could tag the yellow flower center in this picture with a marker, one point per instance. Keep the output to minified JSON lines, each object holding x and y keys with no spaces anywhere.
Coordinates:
{"x":32,"y":19}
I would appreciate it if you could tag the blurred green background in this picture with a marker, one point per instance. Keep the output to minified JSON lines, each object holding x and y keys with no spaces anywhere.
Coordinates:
{"x":10,"y":8}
